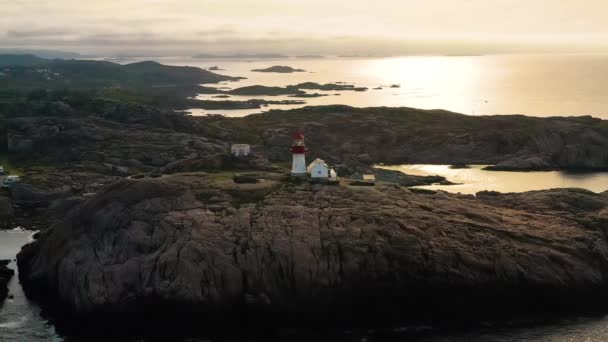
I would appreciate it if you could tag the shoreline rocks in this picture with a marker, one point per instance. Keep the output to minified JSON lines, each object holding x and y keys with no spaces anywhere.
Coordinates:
{"x":518,"y":164}
{"x":5,"y":276}
{"x":7,"y":212}
{"x":196,"y":254}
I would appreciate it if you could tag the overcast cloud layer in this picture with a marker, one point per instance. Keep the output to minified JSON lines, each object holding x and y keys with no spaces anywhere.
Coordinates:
{"x":378,"y":27}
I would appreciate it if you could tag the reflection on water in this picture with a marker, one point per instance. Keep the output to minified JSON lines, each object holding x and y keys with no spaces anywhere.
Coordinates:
{"x":20,"y":320}
{"x":540,"y":85}
{"x":475,"y":179}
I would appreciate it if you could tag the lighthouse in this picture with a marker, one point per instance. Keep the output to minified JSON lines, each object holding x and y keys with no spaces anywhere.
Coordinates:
{"x":298,"y":150}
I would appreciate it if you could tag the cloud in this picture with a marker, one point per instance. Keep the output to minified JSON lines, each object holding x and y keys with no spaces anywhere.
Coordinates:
{"x":48,"y":33}
{"x":219,"y":31}
{"x":303,"y":27}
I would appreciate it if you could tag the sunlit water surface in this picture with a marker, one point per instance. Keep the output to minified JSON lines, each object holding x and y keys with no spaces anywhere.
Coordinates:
{"x":539,"y":85}
{"x":475,"y":179}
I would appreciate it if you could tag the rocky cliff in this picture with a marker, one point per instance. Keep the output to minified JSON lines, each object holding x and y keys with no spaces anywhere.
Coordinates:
{"x":5,"y":276}
{"x":189,"y":251}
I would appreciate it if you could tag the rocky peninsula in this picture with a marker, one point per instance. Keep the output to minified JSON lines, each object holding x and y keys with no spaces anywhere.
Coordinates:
{"x":392,"y":136}
{"x":198,"y":253}
{"x":143,"y":223}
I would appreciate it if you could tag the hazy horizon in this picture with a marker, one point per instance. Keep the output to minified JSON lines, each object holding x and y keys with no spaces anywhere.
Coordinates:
{"x":292,"y":27}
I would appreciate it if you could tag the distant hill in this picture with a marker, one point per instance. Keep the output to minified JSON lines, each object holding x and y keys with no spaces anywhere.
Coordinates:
{"x":49,"y":54}
{"x":23,"y":60}
{"x":156,"y":73}
{"x":29,"y":78}
{"x":31,"y":71}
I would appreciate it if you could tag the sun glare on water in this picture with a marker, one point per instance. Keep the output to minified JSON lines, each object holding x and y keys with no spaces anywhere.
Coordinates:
{"x":428,"y":81}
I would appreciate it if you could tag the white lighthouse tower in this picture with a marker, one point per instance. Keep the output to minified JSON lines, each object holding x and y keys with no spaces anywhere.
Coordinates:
{"x":298,"y":150}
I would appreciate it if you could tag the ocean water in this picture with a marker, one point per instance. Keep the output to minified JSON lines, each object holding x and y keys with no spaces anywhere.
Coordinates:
{"x":20,"y":319}
{"x":475,"y":179}
{"x":537,"y":85}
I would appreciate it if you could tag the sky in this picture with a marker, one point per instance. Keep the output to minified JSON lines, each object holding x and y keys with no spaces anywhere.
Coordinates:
{"x":299,"y":27}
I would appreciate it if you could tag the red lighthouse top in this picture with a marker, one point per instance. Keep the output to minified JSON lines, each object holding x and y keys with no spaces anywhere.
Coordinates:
{"x":298,"y":146}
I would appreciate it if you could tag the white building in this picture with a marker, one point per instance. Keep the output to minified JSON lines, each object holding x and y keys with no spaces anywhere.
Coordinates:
{"x":318,"y":169}
{"x":240,"y":149}
{"x":369,"y":178}
{"x":333,"y":175}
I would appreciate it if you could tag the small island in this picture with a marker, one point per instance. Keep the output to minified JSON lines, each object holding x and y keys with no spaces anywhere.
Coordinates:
{"x":281,"y":69}
{"x":337,"y":86}
{"x":459,"y":166}
{"x":231,"y":105}
{"x":307,"y":95}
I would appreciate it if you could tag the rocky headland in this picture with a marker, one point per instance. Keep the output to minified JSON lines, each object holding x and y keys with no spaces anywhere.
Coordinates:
{"x":367,"y":136}
{"x":143,"y":223}
{"x":202,"y":253}
{"x":149,"y":221}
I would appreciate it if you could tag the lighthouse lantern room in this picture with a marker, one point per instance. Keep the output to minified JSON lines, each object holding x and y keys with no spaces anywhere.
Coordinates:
{"x":298,"y":150}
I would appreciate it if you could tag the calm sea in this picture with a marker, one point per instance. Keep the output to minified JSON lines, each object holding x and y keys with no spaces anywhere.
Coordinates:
{"x":538,"y":85}
{"x":475,"y":179}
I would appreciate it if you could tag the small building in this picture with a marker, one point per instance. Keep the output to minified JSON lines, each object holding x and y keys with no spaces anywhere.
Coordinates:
{"x":369,"y":178}
{"x":318,"y":169}
{"x":333,"y":175}
{"x":241,"y":149}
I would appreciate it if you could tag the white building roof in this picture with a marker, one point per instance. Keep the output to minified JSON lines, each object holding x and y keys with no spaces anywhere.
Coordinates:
{"x":316,"y":162}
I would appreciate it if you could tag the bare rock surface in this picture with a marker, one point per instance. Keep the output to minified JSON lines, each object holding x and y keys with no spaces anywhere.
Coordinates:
{"x":196,"y":252}
{"x":364,"y":136}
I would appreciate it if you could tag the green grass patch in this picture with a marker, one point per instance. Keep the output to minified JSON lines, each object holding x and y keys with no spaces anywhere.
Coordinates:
{"x":283,"y":164}
{"x":10,"y":167}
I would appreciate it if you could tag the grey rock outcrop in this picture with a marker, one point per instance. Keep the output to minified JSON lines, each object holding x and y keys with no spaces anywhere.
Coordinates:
{"x":7,"y":213}
{"x":318,"y":252}
{"x":5,"y":276}
{"x":364,"y":136}
{"x":110,"y":147}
